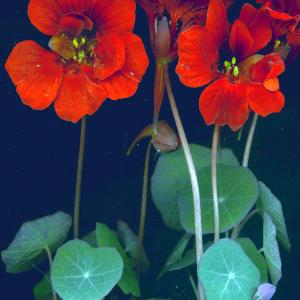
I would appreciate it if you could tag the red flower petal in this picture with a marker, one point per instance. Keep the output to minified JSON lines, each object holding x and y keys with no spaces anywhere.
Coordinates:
{"x":258,"y":24}
{"x":267,"y":68}
{"x":241,"y":41}
{"x":293,"y":38}
{"x":224,"y":103}
{"x":107,"y":15}
{"x":216,"y":22}
{"x":198,"y":57}
{"x":264,"y":102}
{"x":110,"y":51}
{"x":36,"y":72}
{"x":78,"y":96}
{"x":124,"y":83}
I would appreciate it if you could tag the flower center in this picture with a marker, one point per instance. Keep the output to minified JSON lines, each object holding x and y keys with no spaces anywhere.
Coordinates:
{"x":79,"y":49}
{"x":230,"y":68}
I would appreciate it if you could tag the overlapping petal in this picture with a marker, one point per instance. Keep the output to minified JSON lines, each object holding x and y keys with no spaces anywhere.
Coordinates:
{"x":45,"y":15}
{"x":258,"y":25}
{"x":263,"y":101}
{"x":36,"y":72}
{"x":110,"y":55}
{"x":198,"y":57}
{"x":78,"y":95}
{"x":124,"y":83}
{"x":216,"y":22}
{"x":224,"y":103}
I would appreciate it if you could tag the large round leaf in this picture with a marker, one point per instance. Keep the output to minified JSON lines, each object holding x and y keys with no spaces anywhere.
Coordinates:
{"x":227,"y":273}
{"x":171,"y":176}
{"x":237,"y":193}
{"x":82,"y":272}
{"x":33,"y":239}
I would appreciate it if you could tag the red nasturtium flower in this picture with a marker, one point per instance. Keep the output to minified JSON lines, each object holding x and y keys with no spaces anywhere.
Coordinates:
{"x":285,"y":18}
{"x":94,"y":55}
{"x":241,"y":80}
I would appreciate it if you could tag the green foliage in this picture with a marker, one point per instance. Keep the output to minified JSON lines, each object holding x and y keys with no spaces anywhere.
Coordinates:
{"x":171,"y":176}
{"x":129,"y":241}
{"x":237,"y":193}
{"x":270,"y":204}
{"x":43,"y":289}
{"x":33,"y":239}
{"x":256,"y":257}
{"x":227,"y":273}
{"x":271,"y":249}
{"x":82,"y":272}
{"x":108,"y":238}
{"x":176,"y":255}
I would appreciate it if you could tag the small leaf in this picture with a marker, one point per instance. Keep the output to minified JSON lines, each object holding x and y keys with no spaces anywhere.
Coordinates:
{"x":265,"y":292}
{"x":129,"y":240}
{"x":271,"y":249}
{"x":33,"y":238}
{"x":256,"y":257}
{"x":82,"y":272}
{"x":107,"y":238}
{"x":237,"y":193}
{"x":90,"y":238}
{"x":176,"y":255}
{"x":227,"y":273}
{"x":171,"y":175}
{"x":188,"y":259}
{"x":273,"y":207}
{"x":43,"y":289}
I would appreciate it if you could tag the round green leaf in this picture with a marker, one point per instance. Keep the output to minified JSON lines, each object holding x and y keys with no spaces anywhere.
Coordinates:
{"x":82,"y":272}
{"x":256,"y":257}
{"x":129,"y":283}
{"x":227,"y":273}
{"x":271,"y":249}
{"x":171,"y":176}
{"x":270,"y":204}
{"x":33,"y":238}
{"x":237,"y":193}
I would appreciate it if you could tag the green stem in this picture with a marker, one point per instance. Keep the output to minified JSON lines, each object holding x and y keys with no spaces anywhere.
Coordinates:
{"x":237,"y":230}
{"x":194,"y":286}
{"x":249,"y":141}
{"x":214,"y":152}
{"x":54,"y":295}
{"x":79,"y":178}
{"x":192,"y":173}
{"x":139,"y":244}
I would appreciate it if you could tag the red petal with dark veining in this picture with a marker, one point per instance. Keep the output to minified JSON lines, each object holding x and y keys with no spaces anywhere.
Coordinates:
{"x":224,"y":103}
{"x":36,"y":72}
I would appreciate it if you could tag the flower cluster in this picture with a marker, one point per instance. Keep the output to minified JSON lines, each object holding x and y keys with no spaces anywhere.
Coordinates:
{"x":94,"y":55}
{"x":226,"y":56}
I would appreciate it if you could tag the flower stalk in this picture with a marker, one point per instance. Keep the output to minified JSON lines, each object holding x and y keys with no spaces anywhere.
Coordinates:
{"x":192,"y":172}
{"x":214,"y":152}
{"x":143,"y":213}
{"x":79,"y":178}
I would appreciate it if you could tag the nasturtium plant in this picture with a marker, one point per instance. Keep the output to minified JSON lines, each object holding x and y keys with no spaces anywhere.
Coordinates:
{"x":237,"y":193}
{"x":171,"y":176}
{"x":34,"y":239}
{"x":256,"y":257}
{"x":227,"y":273}
{"x":270,"y":204}
{"x":82,"y":272}
{"x":271,"y":249}
{"x":108,"y":238}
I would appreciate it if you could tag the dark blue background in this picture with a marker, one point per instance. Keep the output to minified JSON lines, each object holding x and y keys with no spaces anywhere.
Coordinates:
{"x":38,"y":155}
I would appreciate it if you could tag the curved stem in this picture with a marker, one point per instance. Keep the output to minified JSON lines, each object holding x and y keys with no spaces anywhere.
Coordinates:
{"x":249,"y":141}
{"x":192,"y":173}
{"x":139,"y":244}
{"x":79,"y":178}
{"x":54,"y":295}
{"x":237,"y":230}
{"x":214,"y":151}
